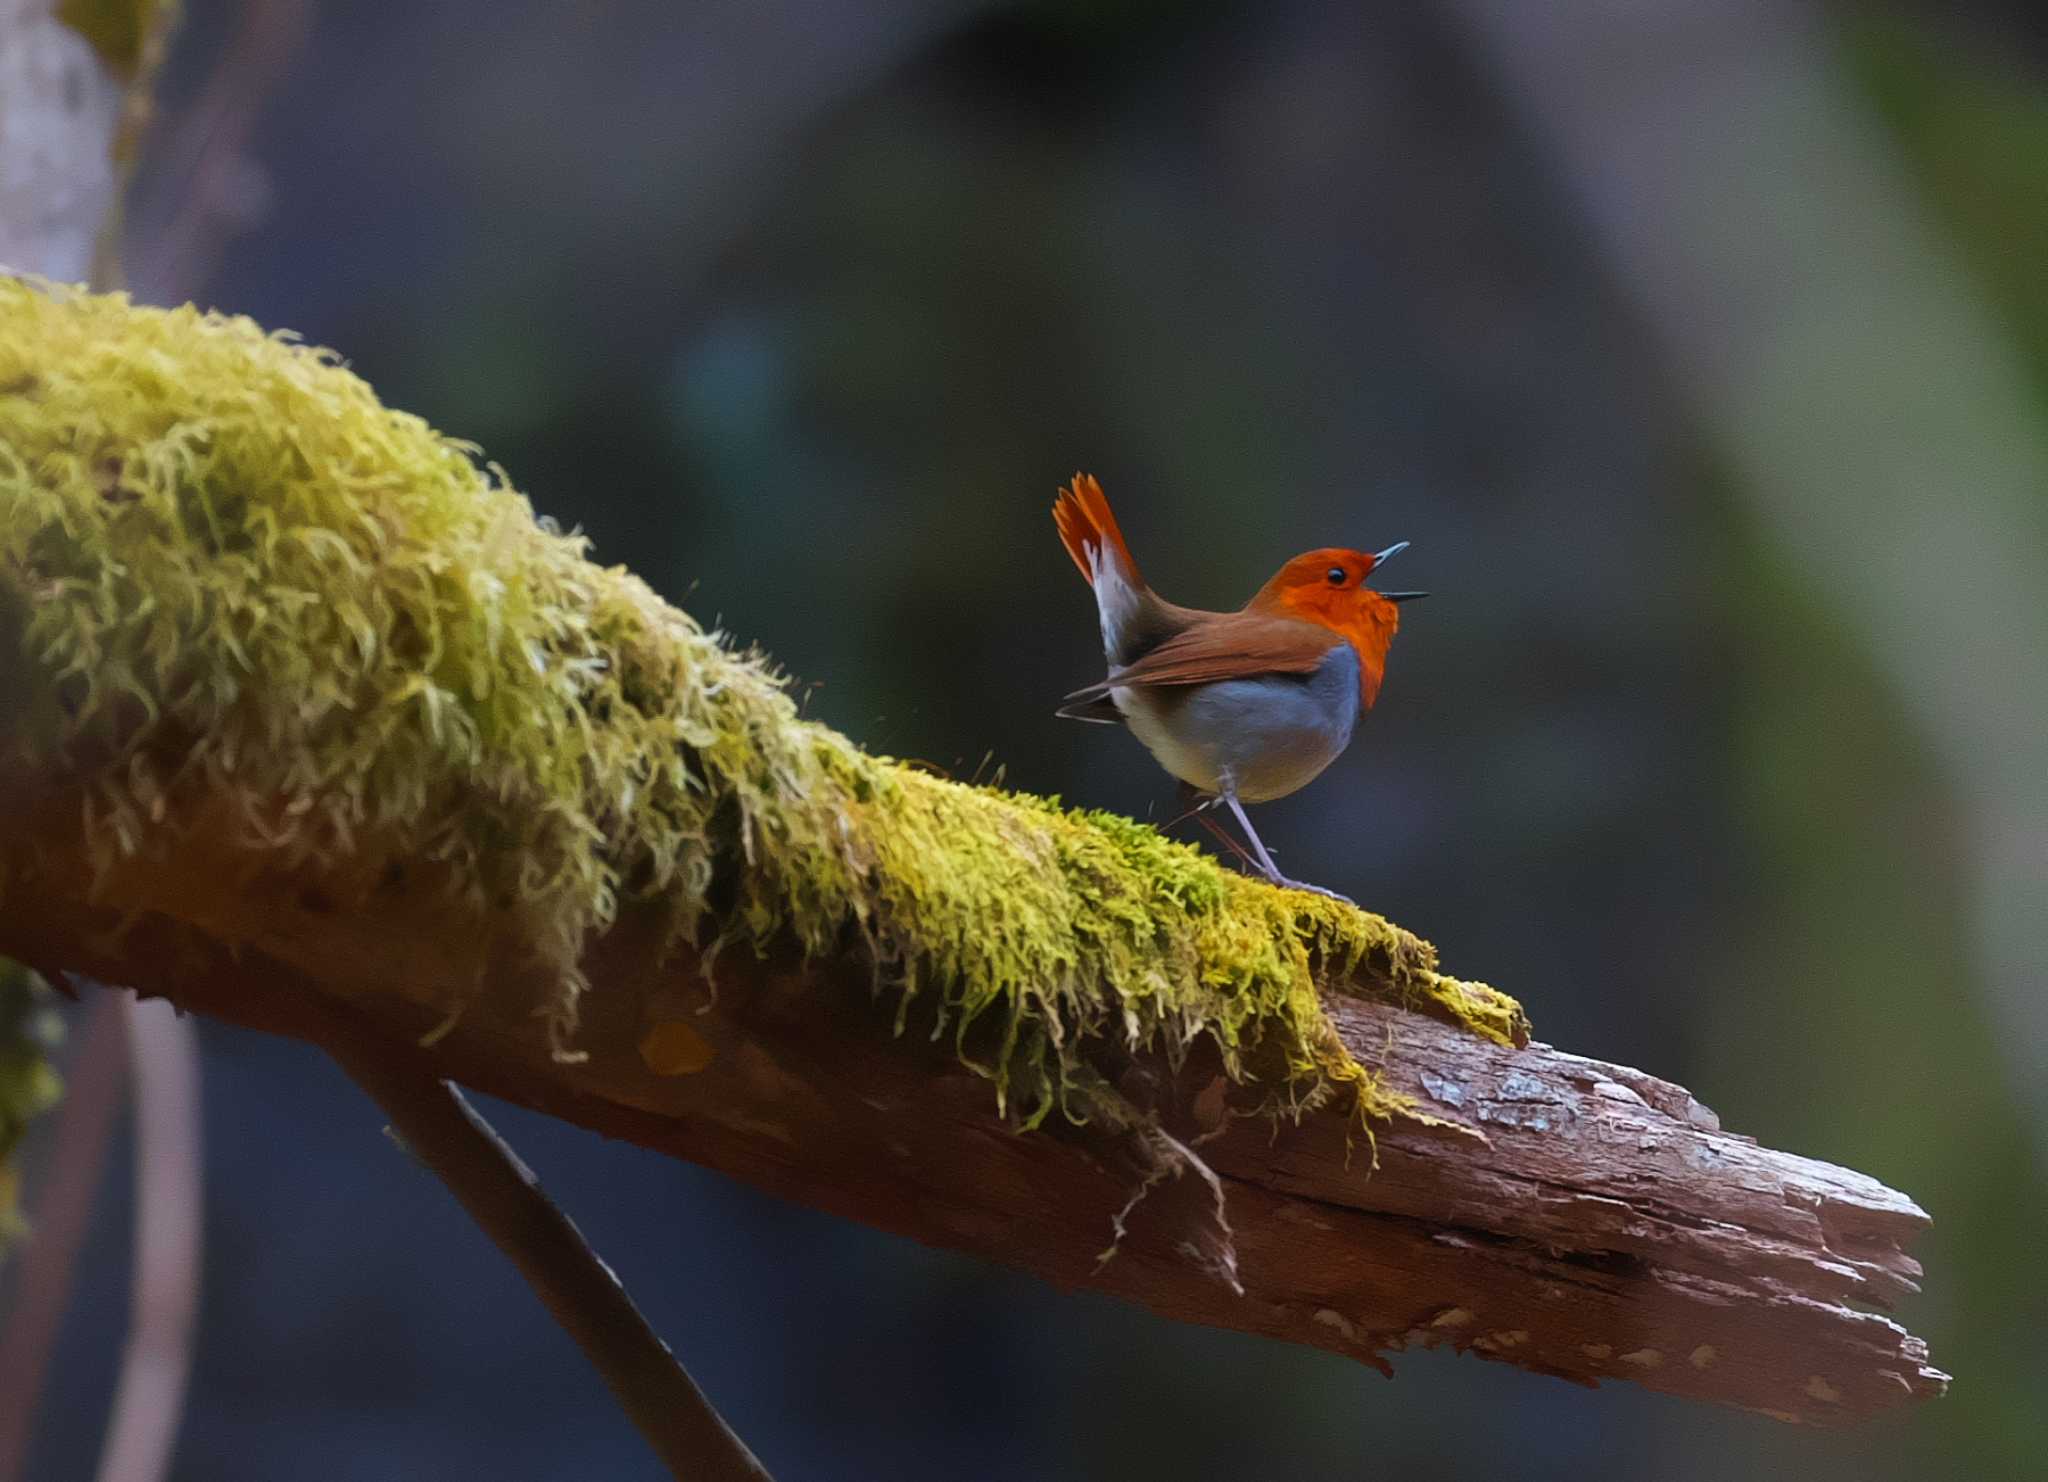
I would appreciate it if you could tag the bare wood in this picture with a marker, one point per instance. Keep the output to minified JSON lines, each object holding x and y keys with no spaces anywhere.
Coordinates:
{"x":1571,"y":1217}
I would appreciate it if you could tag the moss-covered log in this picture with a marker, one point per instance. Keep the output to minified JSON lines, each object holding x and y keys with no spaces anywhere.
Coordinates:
{"x":309,"y":719}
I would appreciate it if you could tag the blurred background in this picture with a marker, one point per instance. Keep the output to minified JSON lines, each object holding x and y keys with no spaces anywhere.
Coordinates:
{"x":1701,"y":349}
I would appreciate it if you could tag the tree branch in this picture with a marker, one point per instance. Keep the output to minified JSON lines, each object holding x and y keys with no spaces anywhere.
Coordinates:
{"x":1568,"y":1216}
{"x":440,"y":1127}
{"x":316,"y":719}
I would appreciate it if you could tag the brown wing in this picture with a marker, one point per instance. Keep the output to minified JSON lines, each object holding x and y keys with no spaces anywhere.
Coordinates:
{"x":1235,"y":645}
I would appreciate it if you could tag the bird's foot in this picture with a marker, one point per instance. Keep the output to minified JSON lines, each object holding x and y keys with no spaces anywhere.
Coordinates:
{"x":1286,"y":884}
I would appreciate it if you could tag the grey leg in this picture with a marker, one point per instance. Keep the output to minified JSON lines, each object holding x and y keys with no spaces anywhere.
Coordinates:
{"x":1266,"y":865}
{"x":1264,"y":860}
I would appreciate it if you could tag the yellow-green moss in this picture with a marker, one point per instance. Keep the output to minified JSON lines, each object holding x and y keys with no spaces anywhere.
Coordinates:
{"x":326,"y":612}
{"x":29,"y":1031}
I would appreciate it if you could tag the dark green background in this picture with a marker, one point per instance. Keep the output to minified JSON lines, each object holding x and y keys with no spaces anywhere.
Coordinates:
{"x":802,"y":311}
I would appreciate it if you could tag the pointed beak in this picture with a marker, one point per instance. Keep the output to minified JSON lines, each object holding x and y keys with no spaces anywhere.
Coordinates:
{"x":1387,"y":555}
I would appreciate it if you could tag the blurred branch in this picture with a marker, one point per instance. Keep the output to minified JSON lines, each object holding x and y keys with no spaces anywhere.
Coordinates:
{"x":75,"y":84}
{"x":164,"y":1302}
{"x":441,"y":1129}
{"x":204,"y":188}
{"x":60,"y":110}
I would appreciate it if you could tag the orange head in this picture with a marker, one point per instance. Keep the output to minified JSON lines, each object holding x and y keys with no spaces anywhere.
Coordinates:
{"x":1327,"y":587}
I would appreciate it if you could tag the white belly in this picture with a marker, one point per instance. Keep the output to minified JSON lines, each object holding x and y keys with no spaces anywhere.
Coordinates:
{"x":1265,"y":737}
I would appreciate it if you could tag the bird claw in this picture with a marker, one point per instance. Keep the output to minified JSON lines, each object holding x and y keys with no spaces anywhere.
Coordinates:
{"x":1286,"y":884}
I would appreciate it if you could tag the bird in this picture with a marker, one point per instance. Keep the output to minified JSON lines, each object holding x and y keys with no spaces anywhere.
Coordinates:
{"x":1241,"y":707}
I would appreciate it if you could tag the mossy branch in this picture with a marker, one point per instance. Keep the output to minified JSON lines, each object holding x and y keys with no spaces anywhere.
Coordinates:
{"x":311,"y":711}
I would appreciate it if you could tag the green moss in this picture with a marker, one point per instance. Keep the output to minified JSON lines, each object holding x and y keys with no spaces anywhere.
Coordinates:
{"x":29,"y":1031}
{"x":239,"y":567}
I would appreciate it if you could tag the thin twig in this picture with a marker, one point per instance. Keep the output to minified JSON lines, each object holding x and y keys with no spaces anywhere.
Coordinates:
{"x":96,"y":1079}
{"x":164,"y":1305}
{"x":502,"y":1195}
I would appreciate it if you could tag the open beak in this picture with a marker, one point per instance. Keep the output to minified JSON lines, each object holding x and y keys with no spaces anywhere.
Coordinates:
{"x":1387,"y":555}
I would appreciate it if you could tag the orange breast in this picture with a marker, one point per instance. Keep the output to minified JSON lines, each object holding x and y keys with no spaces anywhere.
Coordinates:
{"x":1360,"y":616}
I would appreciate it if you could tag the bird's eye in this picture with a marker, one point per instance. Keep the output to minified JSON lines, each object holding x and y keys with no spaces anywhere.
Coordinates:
{"x":1337,"y":576}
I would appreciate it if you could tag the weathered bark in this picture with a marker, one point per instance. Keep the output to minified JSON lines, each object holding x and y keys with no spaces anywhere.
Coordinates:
{"x":1571,"y":1217}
